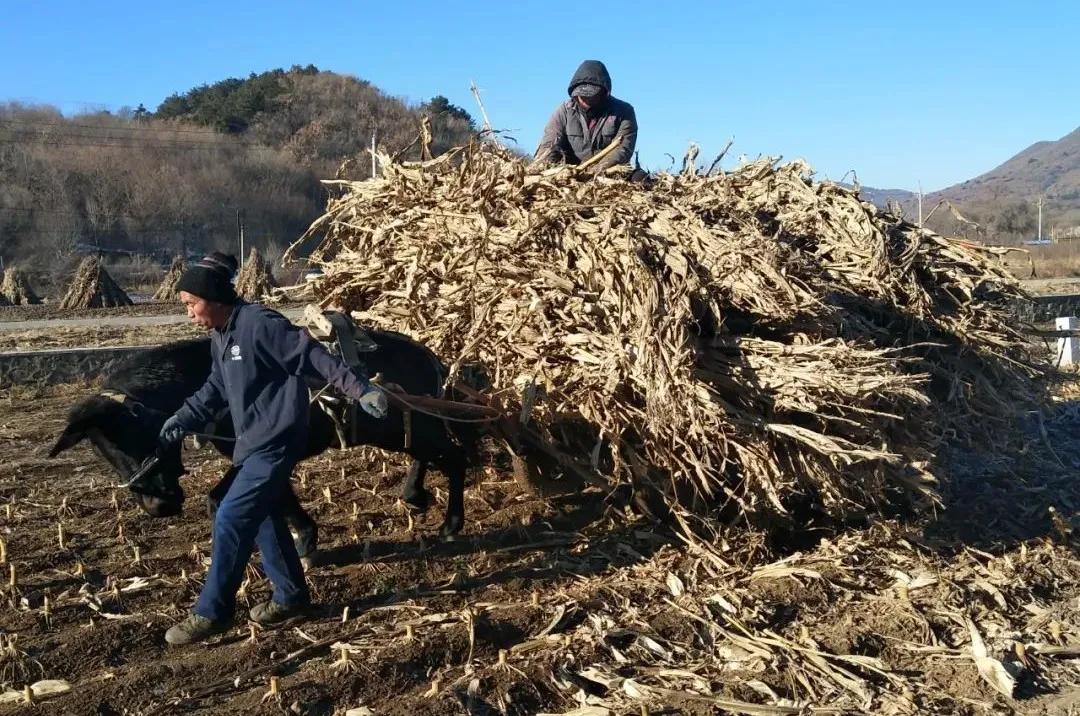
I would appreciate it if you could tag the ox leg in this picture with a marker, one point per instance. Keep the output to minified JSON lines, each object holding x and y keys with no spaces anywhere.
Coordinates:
{"x":412,"y":489}
{"x":454,"y":469}
{"x":217,"y":492}
{"x":305,"y":531}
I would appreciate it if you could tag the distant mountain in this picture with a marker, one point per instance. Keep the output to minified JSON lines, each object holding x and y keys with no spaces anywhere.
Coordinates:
{"x":1049,"y":169}
{"x":1003,"y":200}
{"x":181,"y":178}
{"x":882,"y":197}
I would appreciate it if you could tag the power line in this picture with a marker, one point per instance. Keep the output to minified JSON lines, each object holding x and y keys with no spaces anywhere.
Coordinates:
{"x":115,"y":145}
{"x":102,"y":137}
{"x":90,"y":140}
{"x":75,"y":214}
{"x":64,"y":125}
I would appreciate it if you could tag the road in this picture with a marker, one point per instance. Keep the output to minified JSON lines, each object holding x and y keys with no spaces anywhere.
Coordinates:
{"x":1036,"y":287}
{"x":293,"y":314}
{"x":1052,"y":286}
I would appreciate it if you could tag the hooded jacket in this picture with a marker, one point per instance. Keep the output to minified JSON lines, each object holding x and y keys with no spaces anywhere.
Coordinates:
{"x":568,"y":136}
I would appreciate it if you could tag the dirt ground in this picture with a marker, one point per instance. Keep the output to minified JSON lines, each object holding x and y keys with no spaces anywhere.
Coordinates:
{"x":1052,"y":286}
{"x":560,"y":605}
{"x":98,"y":336}
{"x":48,"y":311}
{"x":53,"y":311}
{"x":543,"y":605}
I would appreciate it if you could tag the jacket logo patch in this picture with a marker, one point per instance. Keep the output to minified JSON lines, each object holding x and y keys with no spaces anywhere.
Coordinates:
{"x":235,"y":351}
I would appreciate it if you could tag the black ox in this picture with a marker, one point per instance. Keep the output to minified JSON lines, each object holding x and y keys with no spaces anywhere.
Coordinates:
{"x":123,"y":420}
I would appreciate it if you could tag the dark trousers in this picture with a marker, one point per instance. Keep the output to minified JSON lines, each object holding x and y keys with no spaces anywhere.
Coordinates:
{"x":250,"y":514}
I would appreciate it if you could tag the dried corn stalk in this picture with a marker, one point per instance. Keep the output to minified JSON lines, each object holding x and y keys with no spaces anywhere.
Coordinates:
{"x":753,"y":340}
{"x":15,"y":288}
{"x":255,"y":281}
{"x":93,"y":287}
{"x":167,"y":289}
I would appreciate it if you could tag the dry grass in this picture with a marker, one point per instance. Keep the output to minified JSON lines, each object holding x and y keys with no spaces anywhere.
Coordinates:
{"x":255,"y":282}
{"x":1061,"y":260}
{"x":16,"y":290}
{"x":166,"y":291}
{"x":748,"y":340}
{"x":93,"y":287}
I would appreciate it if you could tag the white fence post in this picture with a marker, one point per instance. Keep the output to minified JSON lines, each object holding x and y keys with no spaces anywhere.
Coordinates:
{"x":1068,"y":347}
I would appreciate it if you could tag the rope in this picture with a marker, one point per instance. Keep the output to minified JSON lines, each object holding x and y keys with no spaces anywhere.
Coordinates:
{"x":400,"y":397}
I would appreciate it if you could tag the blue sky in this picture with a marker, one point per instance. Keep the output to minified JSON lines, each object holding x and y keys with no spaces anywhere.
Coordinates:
{"x":936,"y":92}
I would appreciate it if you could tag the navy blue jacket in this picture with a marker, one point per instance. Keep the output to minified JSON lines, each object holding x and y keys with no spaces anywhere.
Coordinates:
{"x":259,"y":361}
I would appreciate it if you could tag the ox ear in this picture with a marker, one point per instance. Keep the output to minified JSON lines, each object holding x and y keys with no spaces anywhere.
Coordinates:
{"x":85,"y":415}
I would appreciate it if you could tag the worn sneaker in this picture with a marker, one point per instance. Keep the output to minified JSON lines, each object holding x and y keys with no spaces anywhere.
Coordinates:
{"x":270,"y":612}
{"x":195,"y":628}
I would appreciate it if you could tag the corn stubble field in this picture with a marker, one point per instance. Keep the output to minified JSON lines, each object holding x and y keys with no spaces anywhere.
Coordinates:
{"x":863,"y":474}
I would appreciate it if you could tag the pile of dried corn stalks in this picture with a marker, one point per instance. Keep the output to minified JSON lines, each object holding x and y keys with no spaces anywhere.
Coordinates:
{"x":750,"y":339}
{"x":255,"y":281}
{"x":16,"y":289}
{"x":93,"y":287}
{"x":166,"y":290}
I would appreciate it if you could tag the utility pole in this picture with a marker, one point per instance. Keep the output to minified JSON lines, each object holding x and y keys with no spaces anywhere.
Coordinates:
{"x":920,"y":205}
{"x":240,"y":233}
{"x":373,"y":169}
{"x":1039,"y":203}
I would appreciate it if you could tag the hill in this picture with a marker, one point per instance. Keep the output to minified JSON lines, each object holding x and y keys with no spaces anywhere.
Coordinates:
{"x":1002,"y":201}
{"x":321,"y":118}
{"x":882,"y":197}
{"x":1050,"y":169}
{"x":173,"y":180}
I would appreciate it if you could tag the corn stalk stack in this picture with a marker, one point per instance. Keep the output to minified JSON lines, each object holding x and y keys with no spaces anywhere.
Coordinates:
{"x":255,"y":281}
{"x":167,"y":289}
{"x":93,"y":287}
{"x":741,"y":343}
{"x":16,"y":289}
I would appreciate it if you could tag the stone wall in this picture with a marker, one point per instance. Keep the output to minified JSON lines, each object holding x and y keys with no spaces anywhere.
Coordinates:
{"x":1044,"y":309}
{"x":62,"y":365}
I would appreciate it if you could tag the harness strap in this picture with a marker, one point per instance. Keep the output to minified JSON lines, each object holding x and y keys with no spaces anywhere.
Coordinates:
{"x":349,"y":347}
{"x":343,"y":332}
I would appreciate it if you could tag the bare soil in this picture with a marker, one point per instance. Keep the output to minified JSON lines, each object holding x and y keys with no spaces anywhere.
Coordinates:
{"x":97,"y":336}
{"x":379,"y":563}
{"x":53,"y":311}
{"x":535,"y":577}
{"x":1052,"y":286}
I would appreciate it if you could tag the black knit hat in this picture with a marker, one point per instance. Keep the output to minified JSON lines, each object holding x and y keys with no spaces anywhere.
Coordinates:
{"x":211,"y":279}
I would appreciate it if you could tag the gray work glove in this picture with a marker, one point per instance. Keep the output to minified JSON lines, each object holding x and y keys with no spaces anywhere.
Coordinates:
{"x":171,"y":432}
{"x":374,"y":402}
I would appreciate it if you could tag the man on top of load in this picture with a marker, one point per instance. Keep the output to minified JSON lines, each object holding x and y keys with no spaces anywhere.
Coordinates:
{"x":589,"y":122}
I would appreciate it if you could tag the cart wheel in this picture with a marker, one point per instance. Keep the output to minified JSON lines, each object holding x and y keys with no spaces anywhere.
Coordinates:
{"x":526,"y":475}
{"x":532,"y":474}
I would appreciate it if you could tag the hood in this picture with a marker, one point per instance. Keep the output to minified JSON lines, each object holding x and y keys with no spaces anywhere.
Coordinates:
{"x":591,"y":72}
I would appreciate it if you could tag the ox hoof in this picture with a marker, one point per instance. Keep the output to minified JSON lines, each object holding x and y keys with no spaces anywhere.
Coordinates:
{"x":418,"y":502}
{"x":307,"y":544}
{"x":450,"y":529}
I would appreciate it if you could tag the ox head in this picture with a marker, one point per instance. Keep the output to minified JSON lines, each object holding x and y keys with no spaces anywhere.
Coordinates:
{"x":125,"y":435}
